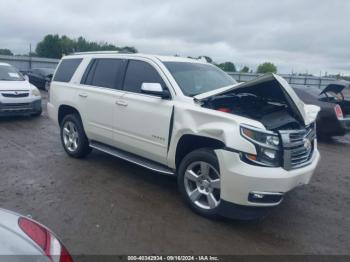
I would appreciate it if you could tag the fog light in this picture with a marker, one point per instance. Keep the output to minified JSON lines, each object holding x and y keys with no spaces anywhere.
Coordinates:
{"x":259,"y":196}
{"x":269,"y":153}
{"x":265,"y":197}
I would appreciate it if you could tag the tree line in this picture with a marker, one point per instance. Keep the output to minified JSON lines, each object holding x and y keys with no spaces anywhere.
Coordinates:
{"x":263,"y":68}
{"x":55,"y":46}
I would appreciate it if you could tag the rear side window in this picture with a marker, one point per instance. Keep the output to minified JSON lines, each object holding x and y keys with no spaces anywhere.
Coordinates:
{"x":67,"y":69}
{"x":103,"y":72}
{"x":139,"y":72}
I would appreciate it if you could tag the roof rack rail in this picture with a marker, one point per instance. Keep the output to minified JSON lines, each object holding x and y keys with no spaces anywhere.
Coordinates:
{"x":101,"y":52}
{"x":96,"y":52}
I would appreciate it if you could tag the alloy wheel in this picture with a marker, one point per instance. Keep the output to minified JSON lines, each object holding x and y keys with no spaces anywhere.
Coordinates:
{"x":70,"y":136}
{"x":202,"y":184}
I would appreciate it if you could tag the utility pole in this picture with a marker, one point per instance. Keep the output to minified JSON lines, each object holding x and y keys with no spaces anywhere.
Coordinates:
{"x":30,"y":56}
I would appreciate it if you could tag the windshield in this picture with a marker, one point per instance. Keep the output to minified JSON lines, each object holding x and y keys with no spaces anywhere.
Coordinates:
{"x":46,"y":71}
{"x":314,"y":91}
{"x":317,"y":92}
{"x":195,"y":78}
{"x":9,"y":73}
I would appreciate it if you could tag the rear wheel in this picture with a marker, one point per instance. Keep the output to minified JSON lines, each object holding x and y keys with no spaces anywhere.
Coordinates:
{"x":73,"y":137}
{"x":199,"y":182}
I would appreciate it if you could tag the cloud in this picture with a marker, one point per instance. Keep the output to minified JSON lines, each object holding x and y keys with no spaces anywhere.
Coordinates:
{"x":296,"y":35}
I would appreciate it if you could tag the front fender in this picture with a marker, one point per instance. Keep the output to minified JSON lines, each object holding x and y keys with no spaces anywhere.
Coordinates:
{"x":212,"y":124}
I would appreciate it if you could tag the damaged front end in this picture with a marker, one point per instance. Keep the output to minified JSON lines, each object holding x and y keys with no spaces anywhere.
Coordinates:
{"x":290,"y":135}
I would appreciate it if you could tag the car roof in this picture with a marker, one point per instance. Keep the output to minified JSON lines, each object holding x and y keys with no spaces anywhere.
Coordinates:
{"x":162,"y":58}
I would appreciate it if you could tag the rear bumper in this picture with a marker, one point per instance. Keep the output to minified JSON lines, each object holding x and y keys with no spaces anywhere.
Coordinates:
{"x":333,"y":127}
{"x":345,"y":124}
{"x":254,"y":189}
{"x":17,"y":109}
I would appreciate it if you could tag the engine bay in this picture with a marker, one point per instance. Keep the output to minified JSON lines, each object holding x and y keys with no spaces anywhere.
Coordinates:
{"x":267,"y":104}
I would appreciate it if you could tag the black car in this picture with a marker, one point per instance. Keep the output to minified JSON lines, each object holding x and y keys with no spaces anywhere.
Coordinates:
{"x":334,"y":117}
{"x":40,"y":77}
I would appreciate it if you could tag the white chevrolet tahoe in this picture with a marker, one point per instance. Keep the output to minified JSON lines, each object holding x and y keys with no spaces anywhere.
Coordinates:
{"x":236,"y":148}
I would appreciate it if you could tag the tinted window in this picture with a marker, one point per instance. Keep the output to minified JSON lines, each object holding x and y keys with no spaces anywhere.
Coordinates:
{"x":311,"y":90}
{"x":139,"y":72}
{"x":106,"y":72}
{"x":89,"y":73}
{"x":196,"y":78}
{"x":306,"y":96}
{"x":36,"y":71}
{"x":46,"y":71}
{"x":67,"y":69}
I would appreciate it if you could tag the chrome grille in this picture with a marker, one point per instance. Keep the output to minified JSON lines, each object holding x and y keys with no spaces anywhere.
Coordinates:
{"x":298,"y":146}
{"x":15,"y":94}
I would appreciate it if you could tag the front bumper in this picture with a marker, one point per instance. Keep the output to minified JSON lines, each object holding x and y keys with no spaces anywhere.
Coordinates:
{"x":21,"y":108}
{"x":239,"y":180}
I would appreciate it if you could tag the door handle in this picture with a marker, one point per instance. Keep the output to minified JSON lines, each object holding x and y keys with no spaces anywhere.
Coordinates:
{"x":83,"y":95}
{"x":121,"y":103}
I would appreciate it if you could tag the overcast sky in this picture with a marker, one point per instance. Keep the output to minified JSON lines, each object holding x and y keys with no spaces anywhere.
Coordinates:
{"x":296,"y":35}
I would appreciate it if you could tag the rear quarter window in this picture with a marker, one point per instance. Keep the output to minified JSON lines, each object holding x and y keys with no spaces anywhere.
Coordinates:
{"x":66,"y":69}
{"x":103,"y":72}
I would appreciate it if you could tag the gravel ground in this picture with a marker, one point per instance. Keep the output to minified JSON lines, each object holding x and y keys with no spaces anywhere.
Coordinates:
{"x":103,"y":205}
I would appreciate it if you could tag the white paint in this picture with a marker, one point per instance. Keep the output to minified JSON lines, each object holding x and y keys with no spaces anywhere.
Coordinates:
{"x":139,"y":123}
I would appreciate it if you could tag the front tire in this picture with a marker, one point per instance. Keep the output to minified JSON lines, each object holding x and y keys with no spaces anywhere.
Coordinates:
{"x":199,"y":182}
{"x":73,"y":137}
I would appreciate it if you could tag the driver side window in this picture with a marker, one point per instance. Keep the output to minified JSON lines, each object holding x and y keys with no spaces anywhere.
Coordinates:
{"x":139,"y":72}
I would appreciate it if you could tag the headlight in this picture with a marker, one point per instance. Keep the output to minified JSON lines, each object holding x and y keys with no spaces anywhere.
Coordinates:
{"x":36,"y":92}
{"x":267,"y":146}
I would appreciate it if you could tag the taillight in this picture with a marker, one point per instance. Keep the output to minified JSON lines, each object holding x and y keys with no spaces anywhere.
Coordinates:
{"x":338,"y":112}
{"x":50,"y":245}
{"x":224,"y":109}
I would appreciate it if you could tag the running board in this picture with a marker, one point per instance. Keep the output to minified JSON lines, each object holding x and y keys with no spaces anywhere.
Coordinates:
{"x":149,"y":164}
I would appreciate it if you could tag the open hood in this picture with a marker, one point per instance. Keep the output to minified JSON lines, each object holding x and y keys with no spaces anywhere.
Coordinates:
{"x":215,"y":92}
{"x":265,"y":78}
{"x":336,"y":87}
{"x":306,"y":113}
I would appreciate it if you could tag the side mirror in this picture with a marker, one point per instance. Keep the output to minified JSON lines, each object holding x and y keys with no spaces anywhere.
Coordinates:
{"x":155,"y":89}
{"x":26,"y":77}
